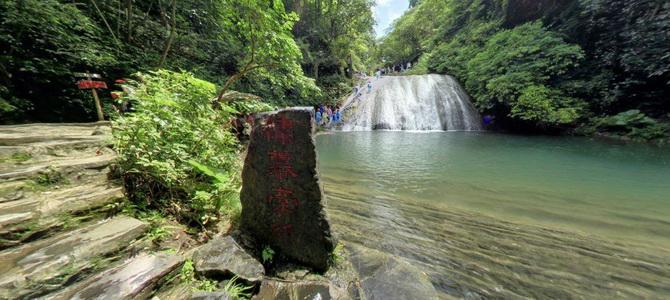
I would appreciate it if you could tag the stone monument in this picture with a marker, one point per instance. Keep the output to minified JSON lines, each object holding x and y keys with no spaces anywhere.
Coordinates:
{"x":282,"y":195}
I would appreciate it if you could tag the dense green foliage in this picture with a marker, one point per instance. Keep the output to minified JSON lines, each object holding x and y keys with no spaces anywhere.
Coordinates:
{"x":635,"y":124}
{"x":42,"y":42}
{"x":177,"y":152}
{"x":335,"y":38}
{"x":542,"y":64}
{"x":520,"y":67}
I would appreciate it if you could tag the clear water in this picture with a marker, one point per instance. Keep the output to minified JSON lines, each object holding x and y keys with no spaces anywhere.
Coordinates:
{"x":497,"y":216}
{"x":611,"y":190}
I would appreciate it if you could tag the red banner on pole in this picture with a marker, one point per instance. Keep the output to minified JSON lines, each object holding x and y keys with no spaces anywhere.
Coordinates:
{"x":85,"y":84}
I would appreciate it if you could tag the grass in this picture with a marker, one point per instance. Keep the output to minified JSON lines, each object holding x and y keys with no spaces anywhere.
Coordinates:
{"x":337,"y":254}
{"x":17,"y":157}
{"x":202,"y":283}
{"x":51,"y":176}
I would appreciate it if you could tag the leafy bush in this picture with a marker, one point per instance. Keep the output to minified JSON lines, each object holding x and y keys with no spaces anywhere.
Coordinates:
{"x":518,"y":68}
{"x":177,"y":152}
{"x":635,"y":124}
{"x":628,"y":120}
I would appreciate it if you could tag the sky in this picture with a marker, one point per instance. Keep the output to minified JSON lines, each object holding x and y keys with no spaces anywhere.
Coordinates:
{"x":386,"y":11}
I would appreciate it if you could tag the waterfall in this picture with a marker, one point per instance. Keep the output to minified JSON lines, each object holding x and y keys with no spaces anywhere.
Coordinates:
{"x":422,"y":102}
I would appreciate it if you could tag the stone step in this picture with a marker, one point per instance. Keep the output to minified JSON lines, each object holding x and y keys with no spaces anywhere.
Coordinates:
{"x":8,"y":151}
{"x":20,"y":219}
{"x":135,"y":279}
{"x":64,"y":166}
{"x":12,"y":135}
{"x":42,"y":266}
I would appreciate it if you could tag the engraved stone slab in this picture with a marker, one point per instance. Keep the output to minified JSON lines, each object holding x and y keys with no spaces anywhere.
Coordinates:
{"x":282,"y":195}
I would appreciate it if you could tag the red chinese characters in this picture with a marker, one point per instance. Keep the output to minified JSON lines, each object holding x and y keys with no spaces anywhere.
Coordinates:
{"x":282,"y":203}
{"x":280,"y":167}
{"x":285,"y":230}
{"x":279,"y":130}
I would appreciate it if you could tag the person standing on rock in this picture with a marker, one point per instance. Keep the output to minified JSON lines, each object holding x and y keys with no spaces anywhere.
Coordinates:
{"x":317,"y":118}
{"x":324,"y":118}
{"x":369,"y":87}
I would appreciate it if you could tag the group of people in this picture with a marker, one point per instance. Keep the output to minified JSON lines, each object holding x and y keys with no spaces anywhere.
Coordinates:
{"x":390,"y":70}
{"x":327,"y":115}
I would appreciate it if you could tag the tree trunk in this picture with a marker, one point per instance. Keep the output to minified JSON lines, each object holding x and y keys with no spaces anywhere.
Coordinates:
{"x":316,"y":70}
{"x":168,"y":44}
{"x":129,"y":15}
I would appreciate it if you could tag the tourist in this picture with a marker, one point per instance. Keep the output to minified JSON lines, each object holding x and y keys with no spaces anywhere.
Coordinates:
{"x":324,"y":118}
{"x":329,"y":111}
{"x":338,"y":115}
{"x":369,"y":87}
{"x":356,"y":90}
{"x":318,"y":116}
{"x":409,"y":65}
{"x":378,"y":74}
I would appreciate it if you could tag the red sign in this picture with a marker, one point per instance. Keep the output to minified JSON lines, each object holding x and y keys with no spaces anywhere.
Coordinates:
{"x":85,"y":84}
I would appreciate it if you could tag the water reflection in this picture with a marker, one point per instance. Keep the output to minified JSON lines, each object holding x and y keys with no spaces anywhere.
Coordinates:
{"x":420,"y":196}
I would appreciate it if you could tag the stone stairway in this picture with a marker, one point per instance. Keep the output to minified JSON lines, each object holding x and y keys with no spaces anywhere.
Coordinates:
{"x":57,"y":237}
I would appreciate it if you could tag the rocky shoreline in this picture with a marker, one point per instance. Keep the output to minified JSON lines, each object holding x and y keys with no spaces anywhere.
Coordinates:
{"x":61,"y":237}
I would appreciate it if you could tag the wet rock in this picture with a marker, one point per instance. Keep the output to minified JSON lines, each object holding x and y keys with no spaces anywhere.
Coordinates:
{"x":282,"y":195}
{"x":224,"y":256}
{"x":385,"y":277}
{"x":134,"y":279}
{"x":39,"y":265}
{"x":381,"y":126}
{"x":273,"y":289}
{"x":44,"y":211}
{"x":219,"y":295}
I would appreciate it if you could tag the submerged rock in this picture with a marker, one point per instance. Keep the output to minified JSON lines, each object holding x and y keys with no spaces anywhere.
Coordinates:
{"x":282,"y":195}
{"x":385,"y":277}
{"x":223,"y":256}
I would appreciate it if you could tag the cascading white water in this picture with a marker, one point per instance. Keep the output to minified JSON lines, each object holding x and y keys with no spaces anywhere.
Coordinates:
{"x":421,"y":102}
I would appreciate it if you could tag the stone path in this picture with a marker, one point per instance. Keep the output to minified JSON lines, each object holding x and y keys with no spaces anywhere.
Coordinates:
{"x":56,"y":240}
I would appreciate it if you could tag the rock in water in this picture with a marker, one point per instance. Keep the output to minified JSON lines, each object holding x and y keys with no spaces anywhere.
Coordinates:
{"x":383,"y":276}
{"x":282,"y":195}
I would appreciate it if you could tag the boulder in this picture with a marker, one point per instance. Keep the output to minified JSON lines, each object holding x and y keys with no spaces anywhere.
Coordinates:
{"x":282,"y":196}
{"x":218,"y":295}
{"x":223,"y":256}
{"x":274,"y":289}
{"x":383,"y":276}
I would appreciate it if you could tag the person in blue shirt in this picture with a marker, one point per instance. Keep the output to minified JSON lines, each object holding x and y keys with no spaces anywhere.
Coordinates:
{"x":369,"y":87}
{"x":338,"y":116}
{"x":318,"y":117}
